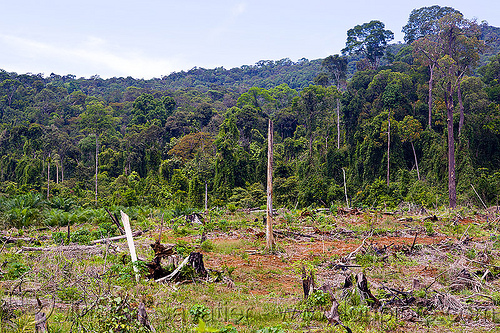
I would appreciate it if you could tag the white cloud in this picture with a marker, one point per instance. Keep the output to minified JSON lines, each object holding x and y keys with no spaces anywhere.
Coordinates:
{"x":91,"y":56}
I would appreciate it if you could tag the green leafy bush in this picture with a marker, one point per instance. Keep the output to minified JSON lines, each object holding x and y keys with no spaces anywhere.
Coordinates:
{"x":115,"y":314}
{"x":60,"y":237}
{"x":378,"y":194}
{"x":81,"y":236}
{"x":106,"y":229}
{"x":429,"y":228}
{"x":15,"y":270}
{"x":23,"y":210}
{"x":58,"y":217}
{"x":367,"y":259}
{"x":318,"y":299}
{"x":183,"y":248}
{"x":231,"y":207}
{"x":198,"y":311}
{"x":207,"y":246}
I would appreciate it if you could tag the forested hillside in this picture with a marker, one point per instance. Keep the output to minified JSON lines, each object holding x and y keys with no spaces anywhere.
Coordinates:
{"x":386,"y":119}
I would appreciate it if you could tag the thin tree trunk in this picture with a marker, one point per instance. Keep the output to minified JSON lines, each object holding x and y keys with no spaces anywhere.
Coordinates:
{"x":452,"y":190}
{"x":57,"y":173}
{"x":48,"y":177}
{"x":345,"y":189}
{"x":62,"y":170}
{"x":461,"y":107}
{"x":96,"y":164}
{"x":338,"y":123}
{"x":310,"y":145}
{"x":388,"y":146}
{"x":206,"y":197}
{"x":416,"y":162}
{"x":269,"y":221}
{"x":431,"y":79}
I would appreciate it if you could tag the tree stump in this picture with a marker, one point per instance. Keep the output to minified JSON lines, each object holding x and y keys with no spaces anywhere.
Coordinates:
{"x":196,"y":261}
{"x":40,"y":322}
{"x":362,"y":284}
{"x":142,"y":316}
{"x":307,"y":282}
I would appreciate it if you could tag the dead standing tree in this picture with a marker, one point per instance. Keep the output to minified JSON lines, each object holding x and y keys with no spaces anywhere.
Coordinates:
{"x":269,"y":214}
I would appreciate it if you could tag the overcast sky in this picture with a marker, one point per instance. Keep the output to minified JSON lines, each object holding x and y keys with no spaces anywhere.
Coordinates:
{"x":149,"y":38}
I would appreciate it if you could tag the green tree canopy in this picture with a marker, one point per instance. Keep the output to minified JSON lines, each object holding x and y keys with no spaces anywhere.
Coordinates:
{"x":424,"y":21}
{"x":336,"y":67}
{"x":368,"y":39}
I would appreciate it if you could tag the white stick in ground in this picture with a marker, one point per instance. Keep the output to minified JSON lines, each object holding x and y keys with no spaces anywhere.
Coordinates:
{"x":130,"y":241}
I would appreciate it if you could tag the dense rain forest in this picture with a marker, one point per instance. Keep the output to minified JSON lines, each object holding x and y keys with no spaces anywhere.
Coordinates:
{"x":384,"y":114}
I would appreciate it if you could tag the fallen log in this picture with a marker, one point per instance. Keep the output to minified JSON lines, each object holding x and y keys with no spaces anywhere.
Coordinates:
{"x":13,"y":302}
{"x":10,"y":239}
{"x":294,"y":234}
{"x":112,"y":239}
{"x":64,"y":248}
{"x":343,"y":266}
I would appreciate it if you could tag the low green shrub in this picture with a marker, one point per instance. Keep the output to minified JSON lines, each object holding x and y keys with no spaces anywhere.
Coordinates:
{"x":198,"y":311}
{"x":318,"y":299}
{"x":207,"y":246}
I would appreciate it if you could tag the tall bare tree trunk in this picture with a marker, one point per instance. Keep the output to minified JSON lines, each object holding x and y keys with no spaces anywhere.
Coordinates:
{"x":416,"y":162}
{"x":48,"y":177}
{"x":57,"y":173}
{"x":96,"y":164}
{"x":269,"y":221}
{"x":461,"y":107}
{"x":345,"y":189}
{"x":431,"y":79}
{"x":338,"y":123}
{"x":388,"y":146}
{"x":452,"y":189}
{"x":206,"y":197}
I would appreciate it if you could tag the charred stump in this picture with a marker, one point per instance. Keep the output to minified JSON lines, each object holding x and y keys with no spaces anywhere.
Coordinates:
{"x":307,"y":282}
{"x":161,"y":250}
{"x":155,"y":269}
{"x":362,"y":284}
{"x":196,"y":262}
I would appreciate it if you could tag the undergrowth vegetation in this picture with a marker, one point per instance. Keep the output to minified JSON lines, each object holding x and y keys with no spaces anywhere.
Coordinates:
{"x":430,"y":264}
